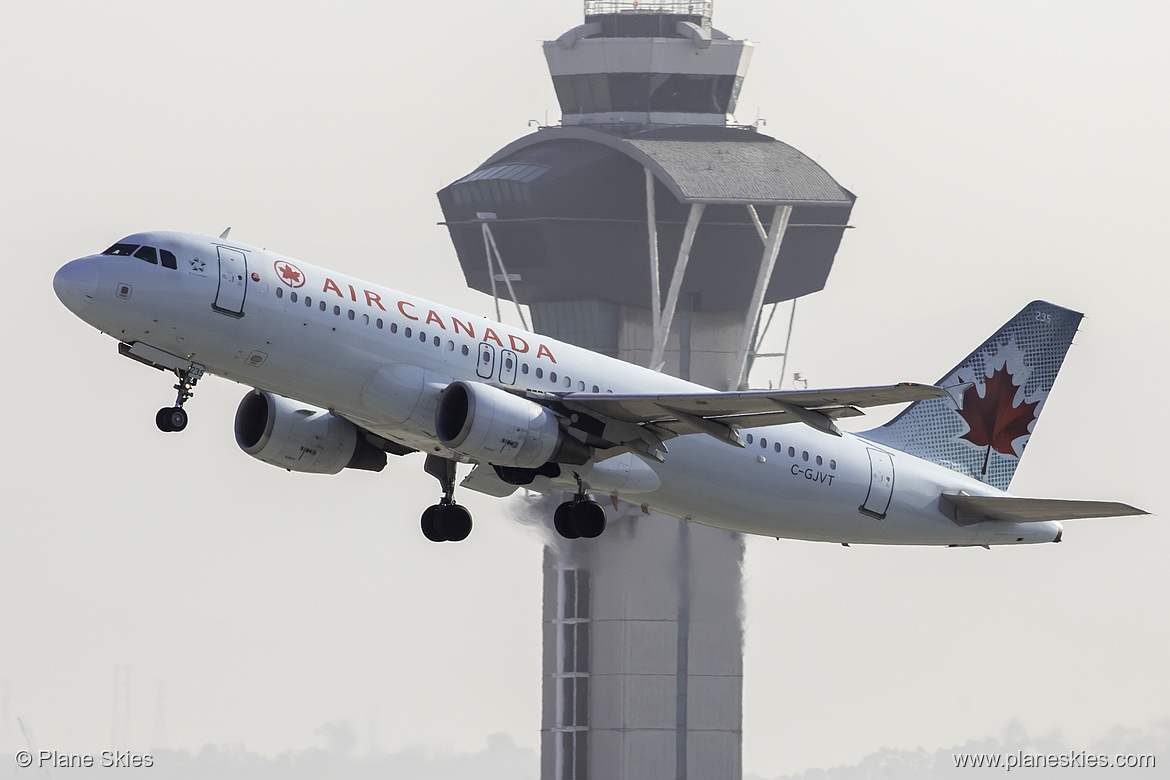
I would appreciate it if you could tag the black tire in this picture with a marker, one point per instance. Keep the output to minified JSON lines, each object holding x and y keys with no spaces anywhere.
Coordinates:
{"x":177,"y":418}
{"x":429,"y":528}
{"x":454,"y":522}
{"x":588,"y":519}
{"x":163,"y":420}
{"x":562,"y":521}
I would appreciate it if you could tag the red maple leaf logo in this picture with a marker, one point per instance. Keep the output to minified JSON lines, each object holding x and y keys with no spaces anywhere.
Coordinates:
{"x":290,"y":274}
{"x":994,"y":420}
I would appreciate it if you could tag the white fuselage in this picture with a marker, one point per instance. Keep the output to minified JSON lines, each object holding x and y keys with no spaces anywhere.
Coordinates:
{"x":379,"y":358}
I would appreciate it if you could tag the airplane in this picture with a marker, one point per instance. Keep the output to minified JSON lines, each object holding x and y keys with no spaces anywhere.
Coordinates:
{"x":345,"y":372}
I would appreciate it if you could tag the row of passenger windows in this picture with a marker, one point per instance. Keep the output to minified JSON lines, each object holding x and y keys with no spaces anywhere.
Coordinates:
{"x":779,"y":448}
{"x":409,"y":332}
{"x":147,"y":253}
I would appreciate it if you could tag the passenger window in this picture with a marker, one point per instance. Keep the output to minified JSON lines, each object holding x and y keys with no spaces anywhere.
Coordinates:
{"x":148,"y":254}
{"x":581,"y":386}
{"x":833,"y":465}
{"x":378,"y":323}
{"x":121,"y":250}
{"x":406,"y":332}
{"x":322,"y":305}
{"x":552,"y":377}
{"x":450,"y":346}
{"x":568,"y":382}
{"x":792,"y":452}
{"x":292,"y":296}
{"x":365,"y":319}
{"x":804,"y":456}
{"x":279,"y":292}
{"x":508,"y":363}
{"x":422,"y":336}
{"x":596,"y":389}
{"x":168,"y":259}
{"x":308,"y":302}
{"x":539,"y":372}
{"x":350,"y":315}
{"x":763,"y":442}
{"x":465,"y":350}
{"x":750,"y":438}
{"x":393,"y":327}
{"x":819,"y":460}
{"x":437,"y":341}
{"x":523,"y":368}
{"x":337,"y":311}
{"x":778,"y":448}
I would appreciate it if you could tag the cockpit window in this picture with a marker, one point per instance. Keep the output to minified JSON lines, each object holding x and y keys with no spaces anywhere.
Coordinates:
{"x":148,"y":254}
{"x":121,"y":249}
{"x":168,"y":259}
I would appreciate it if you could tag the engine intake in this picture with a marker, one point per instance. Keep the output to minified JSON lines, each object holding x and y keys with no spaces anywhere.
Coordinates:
{"x":497,"y":427}
{"x":299,"y":437}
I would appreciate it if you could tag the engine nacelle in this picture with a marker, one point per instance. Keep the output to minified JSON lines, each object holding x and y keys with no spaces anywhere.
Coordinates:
{"x":497,"y":427}
{"x":300,"y":437}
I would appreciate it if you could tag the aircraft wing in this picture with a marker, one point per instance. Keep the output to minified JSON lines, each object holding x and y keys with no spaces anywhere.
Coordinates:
{"x":976,"y":509}
{"x":720,"y":414}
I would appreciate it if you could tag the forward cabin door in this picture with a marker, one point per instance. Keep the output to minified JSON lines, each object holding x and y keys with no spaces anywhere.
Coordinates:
{"x":233,"y":282}
{"x":881,"y":484}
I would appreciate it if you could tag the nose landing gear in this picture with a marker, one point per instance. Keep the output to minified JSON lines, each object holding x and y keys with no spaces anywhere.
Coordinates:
{"x":172,"y":419}
{"x":445,"y":521}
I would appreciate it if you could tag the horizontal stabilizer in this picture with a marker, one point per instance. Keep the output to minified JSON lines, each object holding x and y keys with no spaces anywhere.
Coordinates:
{"x":1010,"y":509}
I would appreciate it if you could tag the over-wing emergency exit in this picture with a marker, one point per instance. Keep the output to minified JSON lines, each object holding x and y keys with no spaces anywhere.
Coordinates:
{"x":347,"y":372}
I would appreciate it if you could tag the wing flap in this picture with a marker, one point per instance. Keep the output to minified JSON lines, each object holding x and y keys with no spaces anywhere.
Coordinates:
{"x":1012,"y":509}
{"x":639,"y":408}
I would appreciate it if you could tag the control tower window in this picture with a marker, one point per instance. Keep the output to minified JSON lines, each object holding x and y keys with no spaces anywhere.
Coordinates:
{"x":683,"y":93}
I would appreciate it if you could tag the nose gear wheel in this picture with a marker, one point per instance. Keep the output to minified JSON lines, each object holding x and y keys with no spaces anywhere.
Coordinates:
{"x":171,"y":419}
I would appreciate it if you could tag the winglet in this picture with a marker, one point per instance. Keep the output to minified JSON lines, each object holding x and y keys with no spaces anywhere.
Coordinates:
{"x":225,"y":232}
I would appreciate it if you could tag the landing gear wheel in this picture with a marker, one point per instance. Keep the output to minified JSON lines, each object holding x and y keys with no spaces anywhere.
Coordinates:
{"x":588,"y":519}
{"x":562,"y":521}
{"x":430,"y":526}
{"x":454,"y":523}
{"x":170,"y":419}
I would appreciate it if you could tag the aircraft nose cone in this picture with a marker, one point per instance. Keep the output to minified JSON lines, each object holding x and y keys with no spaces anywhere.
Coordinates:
{"x":76,"y":284}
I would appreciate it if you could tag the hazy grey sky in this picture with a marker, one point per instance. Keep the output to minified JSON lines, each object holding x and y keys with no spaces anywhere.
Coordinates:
{"x":1001,"y":152}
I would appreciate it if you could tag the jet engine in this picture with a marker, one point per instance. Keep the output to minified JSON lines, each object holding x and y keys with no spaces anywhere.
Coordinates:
{"x":494,"y":426}
{"x":299,"y":437}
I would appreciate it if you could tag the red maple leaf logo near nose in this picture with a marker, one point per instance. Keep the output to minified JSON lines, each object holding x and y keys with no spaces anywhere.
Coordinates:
{"x":290,"y":274}
{"x":994,"y":420}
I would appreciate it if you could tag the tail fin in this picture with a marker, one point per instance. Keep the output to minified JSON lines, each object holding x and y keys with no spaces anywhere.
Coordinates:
{"x":994,"y":398}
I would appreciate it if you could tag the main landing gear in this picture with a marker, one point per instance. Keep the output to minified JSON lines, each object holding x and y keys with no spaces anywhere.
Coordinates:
{"x":580,"y":517}
{"x":171,"y":419}
{"x":445,"y":521}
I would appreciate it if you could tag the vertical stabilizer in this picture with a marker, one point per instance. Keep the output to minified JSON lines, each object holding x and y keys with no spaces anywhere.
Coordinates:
{"x":994,"y":398}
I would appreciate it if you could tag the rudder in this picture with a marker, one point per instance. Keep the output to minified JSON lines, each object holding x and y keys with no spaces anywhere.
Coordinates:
{"x":994,"y":398}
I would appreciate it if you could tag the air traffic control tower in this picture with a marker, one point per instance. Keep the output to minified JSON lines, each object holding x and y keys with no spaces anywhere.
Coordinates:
{"x":651,"y":226}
